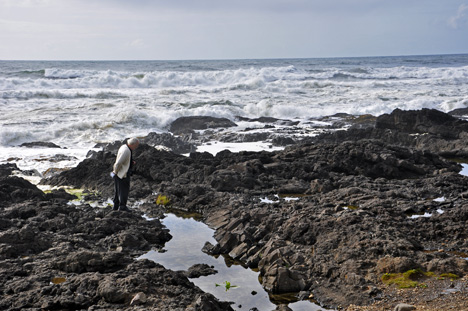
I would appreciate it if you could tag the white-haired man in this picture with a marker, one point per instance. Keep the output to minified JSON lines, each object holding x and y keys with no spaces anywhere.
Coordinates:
{"x":122,"y":171}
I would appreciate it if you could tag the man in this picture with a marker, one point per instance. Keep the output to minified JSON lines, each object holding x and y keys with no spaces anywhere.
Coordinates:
{"x":121,"y":173}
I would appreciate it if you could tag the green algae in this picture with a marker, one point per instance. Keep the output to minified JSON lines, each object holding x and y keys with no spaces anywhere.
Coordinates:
{"x":163,"y":200}
{"x":450,"y":276}
{"x":412,"y":278}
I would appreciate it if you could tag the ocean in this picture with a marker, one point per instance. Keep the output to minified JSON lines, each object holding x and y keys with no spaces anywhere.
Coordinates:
{"x":76,"y":104}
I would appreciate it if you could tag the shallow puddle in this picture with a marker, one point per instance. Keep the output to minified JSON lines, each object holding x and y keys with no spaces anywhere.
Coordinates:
{"x":464,"y":170}
{"x":184,"y":250}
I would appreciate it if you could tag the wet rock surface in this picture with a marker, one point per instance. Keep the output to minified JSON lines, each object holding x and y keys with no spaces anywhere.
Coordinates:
{"x":328,"y":215}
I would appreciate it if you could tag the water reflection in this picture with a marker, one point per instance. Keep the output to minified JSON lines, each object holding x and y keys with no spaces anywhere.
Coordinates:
{"x":184,"y":250}
{"x":464,"y":170}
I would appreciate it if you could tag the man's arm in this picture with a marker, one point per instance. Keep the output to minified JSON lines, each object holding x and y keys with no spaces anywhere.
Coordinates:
{"x":123,"y":156}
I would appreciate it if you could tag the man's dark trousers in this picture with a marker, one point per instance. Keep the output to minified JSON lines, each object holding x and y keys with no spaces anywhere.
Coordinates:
{"x":122,"y":188}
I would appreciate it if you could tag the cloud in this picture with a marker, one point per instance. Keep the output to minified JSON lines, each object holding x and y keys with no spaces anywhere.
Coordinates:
{"x":461,"y":16}
{"x":26,"y":3}
{"x":187,"y":29}
{"x":137,"y":43}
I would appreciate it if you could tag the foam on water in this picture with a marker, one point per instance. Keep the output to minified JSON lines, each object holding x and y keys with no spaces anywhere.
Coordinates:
{"x":215,"y":147}
{"x":41,"y":159}
{"x":82,"y":103}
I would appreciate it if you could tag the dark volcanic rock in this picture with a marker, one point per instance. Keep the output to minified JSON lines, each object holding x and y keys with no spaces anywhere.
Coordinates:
{"x":89,"y":261}
{"x":54,"y":256}
{"x":7,"y":169}
{"x":14,"y":189}
{"x":175,"y":144}
{"x":426,"y":129}
{"x":40,"y":144}
{"x":270,"y":120}
{"x":189,"y":124}
{"x":348,"y":220}
{"x":60,"y":194}
{"x":423,"y":121}
{"x":112,"y":147}
{"x":460,"y":112}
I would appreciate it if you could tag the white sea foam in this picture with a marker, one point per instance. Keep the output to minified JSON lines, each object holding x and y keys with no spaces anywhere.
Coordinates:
{"x":425,"y":215}
{"x":81,"y":103}
{"x":41,"y":159}
{"x":215,"y":147}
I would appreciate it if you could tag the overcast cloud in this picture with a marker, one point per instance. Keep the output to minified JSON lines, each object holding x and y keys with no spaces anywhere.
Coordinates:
{"x":221,"y":29}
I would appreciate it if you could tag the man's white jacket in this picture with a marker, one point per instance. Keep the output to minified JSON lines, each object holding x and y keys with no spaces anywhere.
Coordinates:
{"x":122,"y":163}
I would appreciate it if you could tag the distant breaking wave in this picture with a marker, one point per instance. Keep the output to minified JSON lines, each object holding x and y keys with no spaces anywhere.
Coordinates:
{"x":242,"y":79}
{"x":58,"y":94}
{"x":73,"y":102}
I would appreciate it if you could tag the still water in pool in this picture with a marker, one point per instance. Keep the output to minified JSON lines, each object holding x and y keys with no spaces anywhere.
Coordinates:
{"x":184,"y":250}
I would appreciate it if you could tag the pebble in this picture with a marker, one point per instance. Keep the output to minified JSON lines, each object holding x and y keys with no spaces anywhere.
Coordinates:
{"x":139,"y":298}
{"x":404,"y":307}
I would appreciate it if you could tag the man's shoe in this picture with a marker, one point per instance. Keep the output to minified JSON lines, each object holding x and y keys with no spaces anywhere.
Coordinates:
{"x":124,"y":209}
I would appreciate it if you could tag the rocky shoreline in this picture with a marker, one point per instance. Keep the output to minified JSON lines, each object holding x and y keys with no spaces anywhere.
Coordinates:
{"x":327,"y":217}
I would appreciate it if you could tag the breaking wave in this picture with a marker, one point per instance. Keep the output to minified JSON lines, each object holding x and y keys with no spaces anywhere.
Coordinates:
{"x":75,"y":101}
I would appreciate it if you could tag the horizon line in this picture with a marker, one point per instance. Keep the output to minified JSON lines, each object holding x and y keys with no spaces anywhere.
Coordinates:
{"x":222,"y":59}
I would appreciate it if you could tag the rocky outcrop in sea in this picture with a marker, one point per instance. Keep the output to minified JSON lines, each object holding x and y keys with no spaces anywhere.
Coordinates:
{"x":327,"y":216}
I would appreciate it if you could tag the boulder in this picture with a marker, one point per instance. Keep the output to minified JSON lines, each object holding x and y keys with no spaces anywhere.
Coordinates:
{"x":280,"y":280}
{"x":14,"y":189}
{"x":7,"y":169}
{"x":110,"y":292}
{"x":40,"y":144}
{"x":423,"y":121}
{"x":172,"y":142}
{"x":138,"y":299}
{"x":190,"y":124}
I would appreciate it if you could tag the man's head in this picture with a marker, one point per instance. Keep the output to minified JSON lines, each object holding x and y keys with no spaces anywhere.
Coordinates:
{"x":133,"y":143}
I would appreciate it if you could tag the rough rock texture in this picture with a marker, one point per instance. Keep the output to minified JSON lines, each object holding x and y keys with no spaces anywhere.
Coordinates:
{"x":426,"y":129}
{"x":15,"y":189}
{"x":55,"y":256}
{"x":189,"y":124}
{"x":163,"y":140}
{"x":423,"y":121}
{"x":175,"y":144}
{"x":349,"y":220}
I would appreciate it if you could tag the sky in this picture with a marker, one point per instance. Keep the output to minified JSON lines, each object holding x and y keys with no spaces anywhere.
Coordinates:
{"x":229,"y":29}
